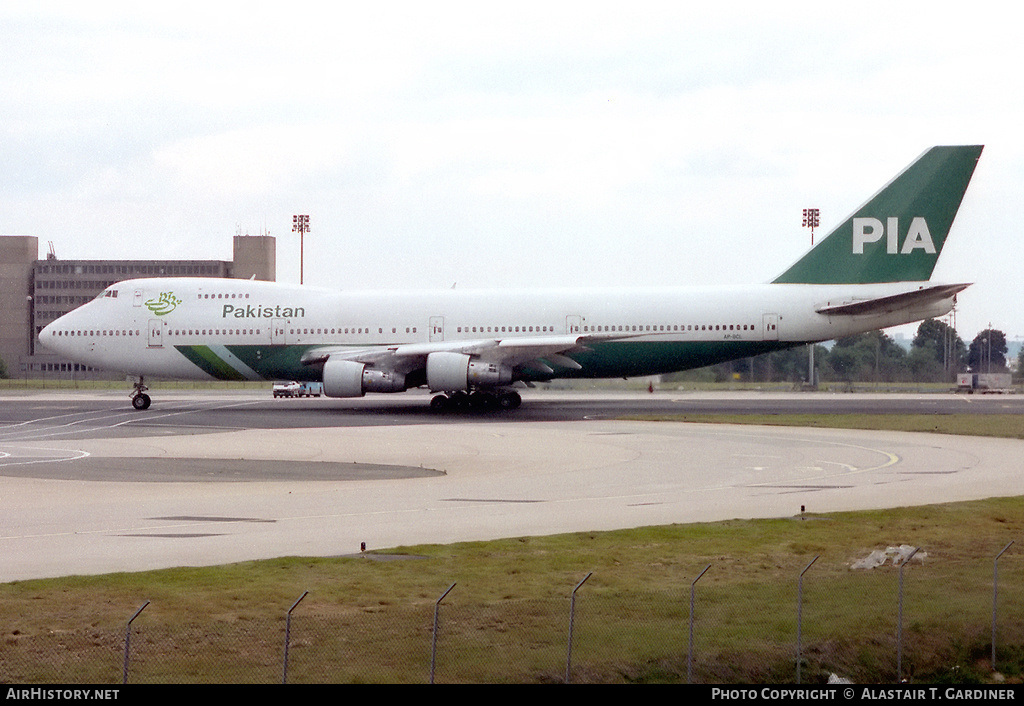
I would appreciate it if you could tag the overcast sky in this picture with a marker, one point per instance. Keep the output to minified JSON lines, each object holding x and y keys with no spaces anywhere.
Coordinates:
{"x":506,"y":144}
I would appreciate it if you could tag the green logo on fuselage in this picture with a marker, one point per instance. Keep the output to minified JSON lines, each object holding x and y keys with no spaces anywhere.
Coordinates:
{"x":163,"y":304}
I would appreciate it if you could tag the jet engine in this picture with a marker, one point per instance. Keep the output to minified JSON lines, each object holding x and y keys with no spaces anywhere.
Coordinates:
{"x":347,"y":378}
{"x":448,"y":372}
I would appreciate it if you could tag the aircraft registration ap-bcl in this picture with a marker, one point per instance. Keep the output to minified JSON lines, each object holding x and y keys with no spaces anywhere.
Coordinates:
{"x":872,"y":271}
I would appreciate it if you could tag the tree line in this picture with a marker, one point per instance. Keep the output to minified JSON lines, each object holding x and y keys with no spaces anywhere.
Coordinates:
{"x":937,"y":354}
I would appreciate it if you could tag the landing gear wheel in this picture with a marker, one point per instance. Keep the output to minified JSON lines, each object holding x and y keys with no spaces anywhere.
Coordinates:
{"x":483,"y":400}
{"x":477,"y":401}
{"x":140,"y":400}
{"x":509,"y":400}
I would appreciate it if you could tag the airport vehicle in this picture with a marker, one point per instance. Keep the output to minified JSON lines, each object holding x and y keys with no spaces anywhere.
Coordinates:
{"x":310,"y":389}
{"x":297,"y":389}
{"x":984,"y":383}
{"x":287,"y":389}
{"x":471,"y":346}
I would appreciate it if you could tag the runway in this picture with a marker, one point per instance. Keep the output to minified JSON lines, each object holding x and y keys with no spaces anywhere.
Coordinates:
{"x":88,"y":485}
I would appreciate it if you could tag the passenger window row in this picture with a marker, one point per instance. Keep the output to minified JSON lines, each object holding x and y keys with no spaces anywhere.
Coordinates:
{"x":94,"y":333}
{"x":653,"y":328}
{"x":505,"y":329}
{"x":670,"y":327}
{"x":340,"y":330}
{"x":213,"y":332}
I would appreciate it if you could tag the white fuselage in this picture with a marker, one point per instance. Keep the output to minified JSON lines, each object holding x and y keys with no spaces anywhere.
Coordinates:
{"x":161,"y":326}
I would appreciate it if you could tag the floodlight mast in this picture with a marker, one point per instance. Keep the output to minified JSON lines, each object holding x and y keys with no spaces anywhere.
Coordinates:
{"x":812,"y":221}
{"x":300,"y":225}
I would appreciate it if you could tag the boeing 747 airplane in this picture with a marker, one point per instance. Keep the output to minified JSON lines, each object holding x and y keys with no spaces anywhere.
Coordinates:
{"x":871,"y":272}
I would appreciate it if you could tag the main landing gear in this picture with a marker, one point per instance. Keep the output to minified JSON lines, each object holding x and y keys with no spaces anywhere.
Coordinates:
{"x":140,"y":400}
{"x":482,"y":400}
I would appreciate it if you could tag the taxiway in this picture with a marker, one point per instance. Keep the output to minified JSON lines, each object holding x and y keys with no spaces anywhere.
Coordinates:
{"x":88,"y":485}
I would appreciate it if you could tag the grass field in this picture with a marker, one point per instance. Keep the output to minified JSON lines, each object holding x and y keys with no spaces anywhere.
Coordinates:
{"x":506,"y":619}
{"x":1009,"y":426}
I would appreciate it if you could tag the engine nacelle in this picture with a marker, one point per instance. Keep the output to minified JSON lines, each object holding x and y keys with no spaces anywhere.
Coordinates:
{"x":347,"y":378}
{"x":449,"y":372}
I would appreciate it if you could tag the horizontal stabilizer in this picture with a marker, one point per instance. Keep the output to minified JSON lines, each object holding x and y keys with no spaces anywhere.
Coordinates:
{"x":896,"y":302}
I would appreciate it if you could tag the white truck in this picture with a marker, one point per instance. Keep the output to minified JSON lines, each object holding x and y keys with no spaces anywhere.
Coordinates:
{"x":984,"y":382}
{"x":292,"y":388}
{"x":286,"y":389}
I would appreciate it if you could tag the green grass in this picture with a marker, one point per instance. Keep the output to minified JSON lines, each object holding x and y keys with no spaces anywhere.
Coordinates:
{"x":506,"y":618}
{"x":1009,"y":426}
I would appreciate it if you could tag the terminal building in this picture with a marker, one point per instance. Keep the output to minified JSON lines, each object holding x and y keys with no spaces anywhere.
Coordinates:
{"x":34,"y":292}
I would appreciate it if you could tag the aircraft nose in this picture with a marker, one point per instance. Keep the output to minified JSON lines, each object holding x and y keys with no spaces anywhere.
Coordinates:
{"x":49,"y":337}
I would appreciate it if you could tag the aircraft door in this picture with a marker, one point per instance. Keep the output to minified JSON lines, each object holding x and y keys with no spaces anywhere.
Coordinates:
{"x":573,"y":322}
{"x":278,"y":332}
{"x":436,"y":329}
{"x":156,"y":331}
{"x":770,"y":332}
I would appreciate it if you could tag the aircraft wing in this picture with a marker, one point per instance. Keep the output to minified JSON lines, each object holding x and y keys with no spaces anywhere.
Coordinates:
{"x":895,"y":302}
{"x":538,"y":353}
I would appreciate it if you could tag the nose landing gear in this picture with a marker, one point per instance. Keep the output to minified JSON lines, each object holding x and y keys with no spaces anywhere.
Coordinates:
{"x":140,"y":400}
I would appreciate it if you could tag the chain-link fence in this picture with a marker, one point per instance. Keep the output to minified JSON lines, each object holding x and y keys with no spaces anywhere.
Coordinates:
{"x":853,"y":624}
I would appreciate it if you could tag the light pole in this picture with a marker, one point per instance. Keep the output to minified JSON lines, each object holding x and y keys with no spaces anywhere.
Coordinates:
{"x":300,"y":225}
{"x":812,"y":221}
{"x":988,"y":347}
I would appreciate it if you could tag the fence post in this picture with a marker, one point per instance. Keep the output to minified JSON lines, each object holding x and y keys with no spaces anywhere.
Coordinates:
{"x":995,"y":595}
{"x":433,"y":639}
{"x":288,"y":634}
{"x":800,"y":615}
{"x":127,"y":642}
{"x":899,"y":624}
{"x":689,"y":651}
{"x":572,"y":619}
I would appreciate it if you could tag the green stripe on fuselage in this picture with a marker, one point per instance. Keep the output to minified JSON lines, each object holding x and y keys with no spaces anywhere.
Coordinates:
{"x":209,"y":362}
{"x":601,"y":359}
{"x":279,"y":362}
{"x":269,"y":362}
{"x":638,"y":358}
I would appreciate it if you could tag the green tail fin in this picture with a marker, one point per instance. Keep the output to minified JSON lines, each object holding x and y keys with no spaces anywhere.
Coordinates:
{"x":898,"y":234}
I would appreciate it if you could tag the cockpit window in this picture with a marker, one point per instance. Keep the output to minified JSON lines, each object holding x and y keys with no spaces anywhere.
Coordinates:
{"x":108,"y":293}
